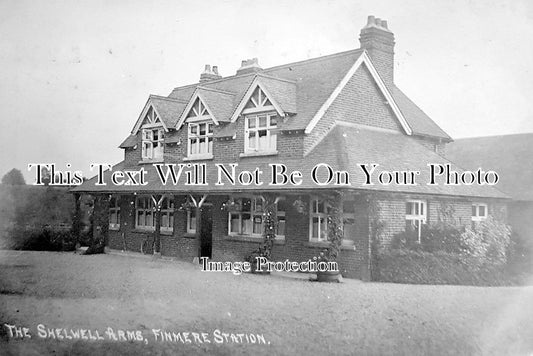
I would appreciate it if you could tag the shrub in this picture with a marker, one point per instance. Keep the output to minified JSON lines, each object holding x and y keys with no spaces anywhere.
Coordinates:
{"x":439,"y":237}
{"x":43,"y":239}
{"x":421,"y":267}
{"x":489,"y":242}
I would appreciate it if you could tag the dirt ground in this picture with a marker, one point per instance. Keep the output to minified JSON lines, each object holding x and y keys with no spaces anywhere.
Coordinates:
{"x":100,"y":296}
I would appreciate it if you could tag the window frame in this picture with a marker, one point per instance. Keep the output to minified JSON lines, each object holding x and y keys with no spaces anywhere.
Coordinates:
{"x":271,"y":132}
{"x":254,"y":212}
{"x":114,"y":209}
{"x":148,"y":152}
{"x":477,"y":217}
{"x":169,"y":211}
{"x":208,"y":136}
{"x":417,"y":219}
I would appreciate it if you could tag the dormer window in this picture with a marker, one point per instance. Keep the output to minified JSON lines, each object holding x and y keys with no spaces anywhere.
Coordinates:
{"x":200,"y":132}
{"x":152,"y":143}
{"x":200,"y":139}
{"x":153,"y":135}
{"x":260,"y":133}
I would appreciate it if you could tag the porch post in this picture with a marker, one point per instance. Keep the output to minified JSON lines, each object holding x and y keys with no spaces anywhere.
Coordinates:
{"x":158,"y":199}
{"x":198,"y":228}
{"x":100,"y":224}
{"x":76,"y":219}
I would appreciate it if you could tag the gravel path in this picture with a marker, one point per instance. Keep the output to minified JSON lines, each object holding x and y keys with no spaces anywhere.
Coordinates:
{"x":295,"y":316}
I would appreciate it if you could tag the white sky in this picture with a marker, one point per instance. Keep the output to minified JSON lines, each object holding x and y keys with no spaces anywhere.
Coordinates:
{"x":76,"y":74}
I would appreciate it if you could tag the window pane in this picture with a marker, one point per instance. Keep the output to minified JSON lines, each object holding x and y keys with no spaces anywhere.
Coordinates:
{"x":314,"y":233}
{"x":281,"y":226}
{"x":349,"y":229}
{"x":258,"y":223}
{"x":251,"y":140}
{"x":246,"y":224}
{"x":234,"y":223}
{"x":262,"y":121}
{"x":323,"y":229}
{"x":273,"y":120}
{"x":210,"y":145}
{"x":251,"y":122}
{"x":482,"y":211}
{"x":474,"y":210}
{"x":164,"y":220}
{"x":282,"y":205}
{"x":202,"y":129}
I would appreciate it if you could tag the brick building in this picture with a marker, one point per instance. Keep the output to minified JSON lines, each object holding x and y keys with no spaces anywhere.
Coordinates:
{"x":342,"y":109}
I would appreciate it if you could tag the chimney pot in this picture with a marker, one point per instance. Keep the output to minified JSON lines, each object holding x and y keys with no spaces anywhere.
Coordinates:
{"x":371,"y":20}
{"x":249,"y":66}
{"x":378,"y":22}
{"x":215,"y":70}
{"x":384,"y":24}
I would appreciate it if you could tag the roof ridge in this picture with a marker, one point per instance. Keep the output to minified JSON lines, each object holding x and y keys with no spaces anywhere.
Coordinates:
{"x":316,"y":59}
{"x":167,"y":98}
{"x":297,"y":63}
{"x":215,"y":90}
{"x":493,"y":136}
{"x":259,"y":74}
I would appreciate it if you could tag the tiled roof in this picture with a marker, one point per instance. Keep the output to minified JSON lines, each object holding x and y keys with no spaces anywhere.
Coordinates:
{"x":343,"y":148}
{"x":302,"y":89}
{"x":219,"y":102}
{"x":508,"y":155}
{"x":419,"y":122}
{"x":130,"y":141}
{"x":169,"y":109}
{"x":283,"y":92}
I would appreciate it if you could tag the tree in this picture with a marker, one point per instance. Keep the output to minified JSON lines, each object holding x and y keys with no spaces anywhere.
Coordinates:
{"x":13,"y":177}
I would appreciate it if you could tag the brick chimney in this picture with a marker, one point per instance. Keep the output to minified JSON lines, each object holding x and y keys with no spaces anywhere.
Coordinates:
{"x":249,"y":66}
{"x":378,"y":41}
{"x":209,"y":74}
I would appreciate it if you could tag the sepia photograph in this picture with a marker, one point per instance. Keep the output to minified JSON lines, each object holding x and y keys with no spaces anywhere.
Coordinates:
{"x":266,"y":178}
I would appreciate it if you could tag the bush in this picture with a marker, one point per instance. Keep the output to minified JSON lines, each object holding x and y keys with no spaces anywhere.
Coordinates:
{"x":43,"y":239}
{"x":489,"y":242}
{"x":449,"y":255}
{"x":421,"y":267}
{"x":439,"y":237}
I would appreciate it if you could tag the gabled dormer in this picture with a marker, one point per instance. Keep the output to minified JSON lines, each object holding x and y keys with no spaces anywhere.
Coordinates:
{"x":262,"y":114}
{"x":152,"y":136}
{"x":146,"y":141}
{"x":205,"y":110}
{"x":199,"y":131}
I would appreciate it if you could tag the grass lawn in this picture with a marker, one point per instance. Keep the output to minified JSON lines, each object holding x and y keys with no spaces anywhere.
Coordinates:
{"x":295,"y":316}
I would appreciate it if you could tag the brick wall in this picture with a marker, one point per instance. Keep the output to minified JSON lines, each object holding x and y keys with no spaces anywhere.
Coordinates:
{"x":353,"y":262}
{"x":359,"y":102}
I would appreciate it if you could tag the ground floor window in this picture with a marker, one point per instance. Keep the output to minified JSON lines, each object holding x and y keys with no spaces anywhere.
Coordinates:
{"x":246,"y":217}
{"x":318,"y":220}
{"x":145,"y":213}
{"x":415,"y":216}
{"x":479,"y":212}
{"x":114,"y":213}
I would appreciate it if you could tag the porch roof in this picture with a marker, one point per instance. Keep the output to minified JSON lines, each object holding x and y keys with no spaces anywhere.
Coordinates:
{"x":343,"y":149}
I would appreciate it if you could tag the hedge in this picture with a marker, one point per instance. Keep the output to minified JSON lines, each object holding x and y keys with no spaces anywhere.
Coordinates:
{"x":421,"y":267}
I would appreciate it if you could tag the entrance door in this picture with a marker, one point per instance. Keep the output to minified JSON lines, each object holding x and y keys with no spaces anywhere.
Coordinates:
{"x":206,"y":227}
